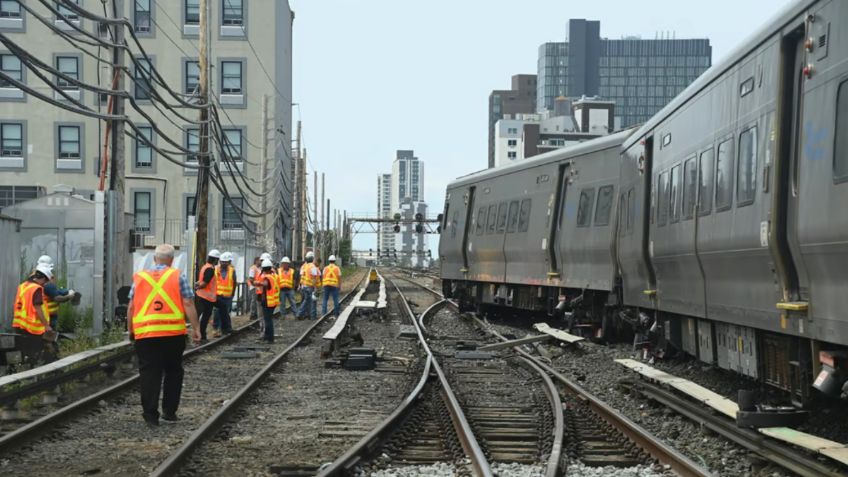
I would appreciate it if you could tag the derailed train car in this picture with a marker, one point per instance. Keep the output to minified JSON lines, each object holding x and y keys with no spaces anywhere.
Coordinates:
{"x":724,"y":219}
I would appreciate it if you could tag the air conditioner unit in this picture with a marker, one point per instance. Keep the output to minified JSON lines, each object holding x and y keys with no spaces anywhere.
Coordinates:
{"x":150,"y":241}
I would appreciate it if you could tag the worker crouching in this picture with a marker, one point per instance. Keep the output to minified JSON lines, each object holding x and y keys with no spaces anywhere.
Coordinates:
{"x":31,"y":317}
{"x":160,"y":301}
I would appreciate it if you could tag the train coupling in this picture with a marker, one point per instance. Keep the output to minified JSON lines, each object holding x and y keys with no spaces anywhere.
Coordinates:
{"x":833,"y":377}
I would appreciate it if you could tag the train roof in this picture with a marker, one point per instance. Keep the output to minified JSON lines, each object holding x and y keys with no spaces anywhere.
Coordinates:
{"x":586,"y":147}
{"x":736,"y":55}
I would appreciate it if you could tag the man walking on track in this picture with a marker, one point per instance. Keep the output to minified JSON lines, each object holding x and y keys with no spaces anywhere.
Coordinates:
{"x":160,"y":302}
{"x":331,"y":280}
{"x":225,"y":282}
{"x":207,"y":288}
{"x":268,"y":295}
{"x":285,"y":276}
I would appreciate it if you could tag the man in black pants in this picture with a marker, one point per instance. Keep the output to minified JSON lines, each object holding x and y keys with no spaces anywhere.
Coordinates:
{"x":206,"y":288}
{"x":161,"y":300}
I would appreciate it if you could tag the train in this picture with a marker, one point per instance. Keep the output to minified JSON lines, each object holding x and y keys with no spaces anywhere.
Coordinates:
{"x":721,"y":222}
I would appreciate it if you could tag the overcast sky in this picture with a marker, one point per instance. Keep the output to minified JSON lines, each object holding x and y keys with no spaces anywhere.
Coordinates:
{"x":373,"y":76}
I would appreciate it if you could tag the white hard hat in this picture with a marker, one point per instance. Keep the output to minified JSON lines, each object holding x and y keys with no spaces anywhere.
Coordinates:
{"x":332,"y":258}
{"x":45,"y":260}
{"x":226,"y":257}
{"x":214,"y":253}
{"x":267,"y":263}
{"x":46,"y":270}
{"x":264,"y":256}
{"x":285,"y":260}
{"x":310,"y":255}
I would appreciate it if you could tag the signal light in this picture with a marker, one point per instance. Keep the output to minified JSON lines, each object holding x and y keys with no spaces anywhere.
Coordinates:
{"x":396,"y":228}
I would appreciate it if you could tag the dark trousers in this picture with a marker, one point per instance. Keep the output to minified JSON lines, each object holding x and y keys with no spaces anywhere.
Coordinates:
{"x":160,"y":358}
{"x":268,"y":318}
{"x":204,"y":311}
{"x":223,"y":307}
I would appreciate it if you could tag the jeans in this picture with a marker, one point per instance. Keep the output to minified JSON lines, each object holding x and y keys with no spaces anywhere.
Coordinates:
{"x":160,"y":358}
{"x":334,"y":291}
{"x":308,"y":307}
{"x":252,"y":303}
{"x":204,"y":311}
{"x":223,"y":307}
{"x":287,"y":294}
{"x":268,"y":319}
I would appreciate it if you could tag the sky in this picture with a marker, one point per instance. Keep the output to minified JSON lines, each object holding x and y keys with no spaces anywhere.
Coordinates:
{"x":374,"y":76}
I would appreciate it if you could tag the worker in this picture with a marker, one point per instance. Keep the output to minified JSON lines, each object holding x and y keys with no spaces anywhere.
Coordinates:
{"x":53,"y":294}
{"x":309,"y":279}
{"x":252,"y":274}
{"x":330,"y":282}
{"x":285,"y":279}
{"x":160,"y":302}
{"x":30,"y":315}
{"x":206,"y":288}
{"x":225,"y":283}
{"x":268,"y":295}
{"x":262,"y":257}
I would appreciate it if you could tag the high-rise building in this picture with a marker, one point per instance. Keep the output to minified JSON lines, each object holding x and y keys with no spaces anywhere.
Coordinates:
{"x":407,"y":179}
{"x":521,"y":99}
{"x":385,"y":234}
{"x":44,"y":146}
{"x":640,"y":76}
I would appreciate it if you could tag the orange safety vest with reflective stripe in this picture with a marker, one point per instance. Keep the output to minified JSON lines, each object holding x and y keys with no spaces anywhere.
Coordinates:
{"x":306,"y":278}
{"x":25,"y":316}
{"x":52,"y":305}
{"x":157,"y":304}
{"x":332,"y":275}
{"x":225,"y":287}
{"x":207,"y":292}
{"x":285,"y":278}
{"x":272,"y":289}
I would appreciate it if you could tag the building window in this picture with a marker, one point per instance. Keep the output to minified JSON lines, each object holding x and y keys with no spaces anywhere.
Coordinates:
{"x":512,"y":155}
{"x":68,"y":66}
{"x":231,"y":80}
{"x":143,"y":151}
{"x":11,"y":65}
{"x":840,"y":149}
{"x":603,"y":209}
{"x":584,"y":207}
{"x":141,"y":18}
{"x":724,"y":176}
{"x":192,"y":78}
{"x":142,"y":210}
{"x":192,"y":12}
{"x":232,"y":143}
{"x":11,"y":195}
{"x":69,"y":142}
{"x":10,"y":9}
{"x":746,"y":177}
{"x":233,"y":13}
{"x":231,"y":213}
{"x":11,"y":140}
{"x":143,"y":83}
{"x":189,"y":209}
{"x":512,"y":142}
{"x":193,"y":144}
{"x":66,"y":12}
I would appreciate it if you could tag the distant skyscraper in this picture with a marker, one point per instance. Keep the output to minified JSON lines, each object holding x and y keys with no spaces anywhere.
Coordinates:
{"x":407,"y":178}
{"x":521,"y":99}
{"x":385,"y":236}
{"x":402,"y":192}
{"x":640,"y":76}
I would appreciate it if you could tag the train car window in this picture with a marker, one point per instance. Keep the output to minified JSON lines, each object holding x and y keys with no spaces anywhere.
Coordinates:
{"x":502,"y":217}
{"x":481,"y":220}
{"x":524,"y":215}
{"x":490,"y":223}
{"x":746,"y":87}
{"x":663,"y":192}
{"x":631,"y":214}
{"x":840,"y":149}
{"x":512,"y":220}
{"x":454,"y":223}
{"x":746,"y":170}
{"x":604,"y":207}
{"x":584,"y":208}
{"x":623,"y":209}
{"x":690,"y":180}
{"x":674,"y":195}
{"x":724,"y":176}
{"x":705,"y":183}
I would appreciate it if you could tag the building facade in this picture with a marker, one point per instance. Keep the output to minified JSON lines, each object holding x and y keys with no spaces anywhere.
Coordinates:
{"x":44,"y":146}
{"x":521,"y":99}
{"x":385,"y":234}
{"x":640,"y":76}
{"x":400,"y":195}
{"x":407,"y":179}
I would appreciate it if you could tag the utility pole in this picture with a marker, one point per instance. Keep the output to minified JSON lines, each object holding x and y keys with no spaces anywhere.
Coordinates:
{"x":297,"y":253}
{"x":202,"y":208}
{"x":264,"y":165}
{"x":304,"y":204}
{"x":323,"y":214}
{"x":315,"y":223}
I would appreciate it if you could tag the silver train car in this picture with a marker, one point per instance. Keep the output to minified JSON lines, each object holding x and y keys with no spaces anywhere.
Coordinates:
{"x":723,"y":219}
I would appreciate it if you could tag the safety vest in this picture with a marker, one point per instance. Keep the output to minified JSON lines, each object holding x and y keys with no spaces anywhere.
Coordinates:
{"x":25,"y":316}
{"x":157,"y":304}
{"x":332,"y":274}
{"x":285,"y":278}
{"x":52,"y":305}
{"x":208,"y":292}
{"x":272,"y":294}
{"x":225,"y":287}
{"x":254,"y":272}
{"x":306,"y":278}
